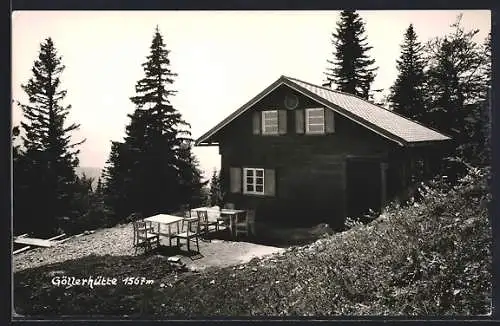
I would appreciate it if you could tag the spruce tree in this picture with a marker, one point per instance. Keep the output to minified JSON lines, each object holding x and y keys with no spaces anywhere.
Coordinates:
{"x":455,"y":81}
{"x":116,"y":176}
{"x":20,"y":185}
{"x":407,"y":93}
{"x":215,"y":189}
{"x":456,"y":87}
{"x":50,"y":155}
{"x":352,"y":70}
{"x":190,"y":183}
{"x":99,"y":189}
{"x":151,"y":171}
{"x":479,"y":119}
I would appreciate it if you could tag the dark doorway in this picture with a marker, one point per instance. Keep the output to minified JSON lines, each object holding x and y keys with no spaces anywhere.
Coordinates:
{"x":364,"y":186}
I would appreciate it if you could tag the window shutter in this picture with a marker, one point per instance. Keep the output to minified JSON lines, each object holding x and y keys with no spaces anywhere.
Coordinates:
{"x":269,"y":182}
{"x":299,"y":121}
{"x":329,"y":121}
{"x":256,"y":122}
{"x":282,"y":122}
{"x":235,"y":180}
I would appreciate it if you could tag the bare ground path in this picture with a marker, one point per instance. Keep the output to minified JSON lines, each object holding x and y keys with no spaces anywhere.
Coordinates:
{"x":117,"y":241}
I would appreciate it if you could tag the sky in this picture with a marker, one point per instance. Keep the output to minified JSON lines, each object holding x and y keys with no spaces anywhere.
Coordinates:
{"x":222,"y":58}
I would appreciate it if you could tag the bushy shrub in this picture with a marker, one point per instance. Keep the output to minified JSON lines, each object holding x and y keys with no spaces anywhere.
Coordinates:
{"x":89,"y":210}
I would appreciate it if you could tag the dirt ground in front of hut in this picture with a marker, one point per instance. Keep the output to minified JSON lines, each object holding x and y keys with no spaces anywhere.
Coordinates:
{"x":118,"y":241}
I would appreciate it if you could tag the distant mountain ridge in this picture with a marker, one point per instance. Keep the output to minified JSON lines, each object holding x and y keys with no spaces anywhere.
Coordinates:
{"x":90,"y":172}
{"x":95,"y":172}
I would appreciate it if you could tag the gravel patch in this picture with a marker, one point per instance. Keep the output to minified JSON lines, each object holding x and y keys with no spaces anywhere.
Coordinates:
{"x":117,"y":241}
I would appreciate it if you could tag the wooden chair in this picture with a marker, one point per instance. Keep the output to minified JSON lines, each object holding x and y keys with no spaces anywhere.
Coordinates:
{"x":245,"y":223}
{"x":134,"y":217}
{"x":191,"y":234}
{"x":187,"y":215}
{"x":205,"y":223}
{"x":222,"y":221}
{"x":143,"y":237}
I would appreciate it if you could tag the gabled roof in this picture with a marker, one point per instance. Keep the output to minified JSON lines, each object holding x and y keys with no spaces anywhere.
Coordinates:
{"x":386,"y":123}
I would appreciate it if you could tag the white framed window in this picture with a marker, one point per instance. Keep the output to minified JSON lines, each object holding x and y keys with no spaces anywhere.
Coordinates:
{"x":270,"y":122}
{"x":315,"y":121}
{"x":253,"y":181}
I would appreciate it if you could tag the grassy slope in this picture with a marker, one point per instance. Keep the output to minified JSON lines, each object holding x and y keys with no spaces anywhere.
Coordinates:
{"x":428,"y":259}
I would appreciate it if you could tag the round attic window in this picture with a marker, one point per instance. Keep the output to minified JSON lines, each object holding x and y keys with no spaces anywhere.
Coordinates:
{"x":291,"y":101}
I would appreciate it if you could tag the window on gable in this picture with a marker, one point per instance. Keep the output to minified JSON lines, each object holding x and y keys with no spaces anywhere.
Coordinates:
{"x":315,"y":121}
{"x":253,"y":181}
{"x":270,"y":122}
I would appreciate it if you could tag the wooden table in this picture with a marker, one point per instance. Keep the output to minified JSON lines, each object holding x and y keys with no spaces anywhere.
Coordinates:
{"x":168,"y":220}
{"x":231,"y":213}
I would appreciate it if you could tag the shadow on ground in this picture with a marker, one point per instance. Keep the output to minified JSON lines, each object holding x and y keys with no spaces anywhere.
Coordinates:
{"x":277,"y":236}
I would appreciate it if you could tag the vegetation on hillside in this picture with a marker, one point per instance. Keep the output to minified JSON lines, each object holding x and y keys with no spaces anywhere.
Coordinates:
{"x":430,"y":258}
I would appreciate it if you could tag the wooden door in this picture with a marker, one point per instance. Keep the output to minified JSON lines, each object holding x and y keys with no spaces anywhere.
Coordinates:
{"x":364,"y":186}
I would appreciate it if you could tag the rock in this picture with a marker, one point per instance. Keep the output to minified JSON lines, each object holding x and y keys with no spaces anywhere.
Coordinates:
{"x":174,"y":259}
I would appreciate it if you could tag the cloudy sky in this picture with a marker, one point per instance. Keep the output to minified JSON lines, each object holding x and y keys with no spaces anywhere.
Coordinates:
{"x":223,"y":59}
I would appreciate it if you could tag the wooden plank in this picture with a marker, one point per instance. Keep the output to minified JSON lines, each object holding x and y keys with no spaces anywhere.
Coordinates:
{"x":63,"y":240}
{"x":18,"y":251}
{"x":34,"y":242}
{"x":57,"y":237}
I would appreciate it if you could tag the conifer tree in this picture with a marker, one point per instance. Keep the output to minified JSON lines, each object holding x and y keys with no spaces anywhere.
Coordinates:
{"x":116,"y":176}
{"x":407,"y":93}
{"x":455,"y":81}
{"x":151,"y":171}
{"x":99,"y":187}
{"x":50,"y":155}
{"x":479,"y":120}
{"x":457,"y":88}
{"x":20,"y":185}
{"x":190,"y":183}
{"x":215,"y":189}
{"x":352,"y":70}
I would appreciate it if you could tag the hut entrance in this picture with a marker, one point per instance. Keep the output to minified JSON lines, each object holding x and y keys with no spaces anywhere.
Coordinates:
{"x":365,"y":185}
